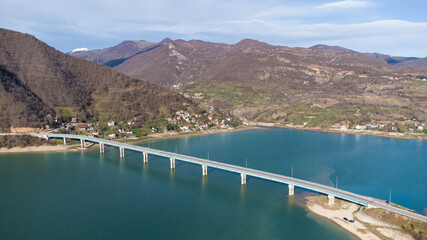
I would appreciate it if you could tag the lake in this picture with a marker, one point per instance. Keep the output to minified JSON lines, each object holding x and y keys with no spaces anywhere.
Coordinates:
{"x":79,"y":195}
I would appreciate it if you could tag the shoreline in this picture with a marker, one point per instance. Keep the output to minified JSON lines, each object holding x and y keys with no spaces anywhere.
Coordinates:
{"x":393,"y":135}
{"x":363,"y":227}
{"x":251,"y":125}
{"x":159,"y":136}
{"x":43,"y":148}
{"x":156,"y":136}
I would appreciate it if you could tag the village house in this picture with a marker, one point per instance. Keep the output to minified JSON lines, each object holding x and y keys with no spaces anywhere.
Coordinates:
{"x":111,"y":123}
{"x":185,"y":128}
{"x":372,"y":125}
{"x":359,"y":127}
{"x":198,"y":96}
{"x":112,"y":135}
{"x":82,"y":128}
{"x":94,"y":134}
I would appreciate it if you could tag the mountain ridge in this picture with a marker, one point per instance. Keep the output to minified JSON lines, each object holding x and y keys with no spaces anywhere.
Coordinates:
{"x":127,"y":51}
{"x":267,"y":83}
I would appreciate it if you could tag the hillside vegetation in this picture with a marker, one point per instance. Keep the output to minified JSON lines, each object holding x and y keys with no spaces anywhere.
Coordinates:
{"x":39,"y":85}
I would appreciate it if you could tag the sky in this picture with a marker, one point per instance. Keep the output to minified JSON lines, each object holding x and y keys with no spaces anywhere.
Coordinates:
{"x":395,"y":27}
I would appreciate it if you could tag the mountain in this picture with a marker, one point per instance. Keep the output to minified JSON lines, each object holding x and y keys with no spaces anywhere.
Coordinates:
{"x":421,"y":62}
{"x":391,"y":59}
{"x":114,"y":55}
{"x":39,"y":83}
{"x":265,"y":83}
{"x":165,"y":64}
{"x":327,"y":47}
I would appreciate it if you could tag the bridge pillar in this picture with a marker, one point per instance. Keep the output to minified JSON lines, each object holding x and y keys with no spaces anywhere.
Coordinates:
{"x":291,"y":189}
{"x":82,"y":143}
{"x":243,"y":177}
{"x":65,"y":141}
{"x":122,"y":152}
{"x":145,"y":157}
{"x":204,"y":170}
{"x":101,"y":148}
{"x":331,"y":199}
{"x":172,"y":163}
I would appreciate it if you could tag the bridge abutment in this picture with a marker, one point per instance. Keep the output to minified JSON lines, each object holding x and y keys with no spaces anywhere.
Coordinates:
{"x":65,"y":141}
{"x":172,"y":163}
{"x":331,"y":200}
{"x":204,"y":170}
{"x":82,"y":143}
{"x":243,"y":178}
{"x":291,"y":189}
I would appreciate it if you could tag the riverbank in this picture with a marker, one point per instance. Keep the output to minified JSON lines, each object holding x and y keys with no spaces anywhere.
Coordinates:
{"x":363,"y":227}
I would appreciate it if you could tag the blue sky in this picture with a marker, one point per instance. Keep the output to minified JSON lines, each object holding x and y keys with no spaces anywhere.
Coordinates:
{"x":386,"y":26}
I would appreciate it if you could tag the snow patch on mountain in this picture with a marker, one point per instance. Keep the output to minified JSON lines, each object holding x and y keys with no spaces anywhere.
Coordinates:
{"x":79,"y":50}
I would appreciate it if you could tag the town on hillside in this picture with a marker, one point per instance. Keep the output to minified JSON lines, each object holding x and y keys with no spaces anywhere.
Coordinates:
{"x":181,"y":121}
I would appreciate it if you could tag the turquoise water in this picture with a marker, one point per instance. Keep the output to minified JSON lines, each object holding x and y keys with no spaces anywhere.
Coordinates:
{"x":81,"y":195}
{"x":362,"y":164}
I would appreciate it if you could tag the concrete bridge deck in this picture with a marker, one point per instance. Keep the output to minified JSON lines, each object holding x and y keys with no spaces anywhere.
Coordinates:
{"x":243,"y":171}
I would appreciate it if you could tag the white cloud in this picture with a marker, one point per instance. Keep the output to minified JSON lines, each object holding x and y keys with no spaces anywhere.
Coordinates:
{"x":344,"y":4}
{"x":294,"y":23}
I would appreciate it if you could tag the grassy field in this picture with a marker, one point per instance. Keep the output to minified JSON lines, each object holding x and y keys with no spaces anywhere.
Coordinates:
{"x":247,"y":94}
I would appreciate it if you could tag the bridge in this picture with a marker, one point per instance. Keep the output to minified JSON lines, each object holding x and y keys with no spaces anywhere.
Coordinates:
{"x":292,"y":182}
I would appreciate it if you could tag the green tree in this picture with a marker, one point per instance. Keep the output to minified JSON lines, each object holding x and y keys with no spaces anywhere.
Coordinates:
{"x":401,"y":128}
